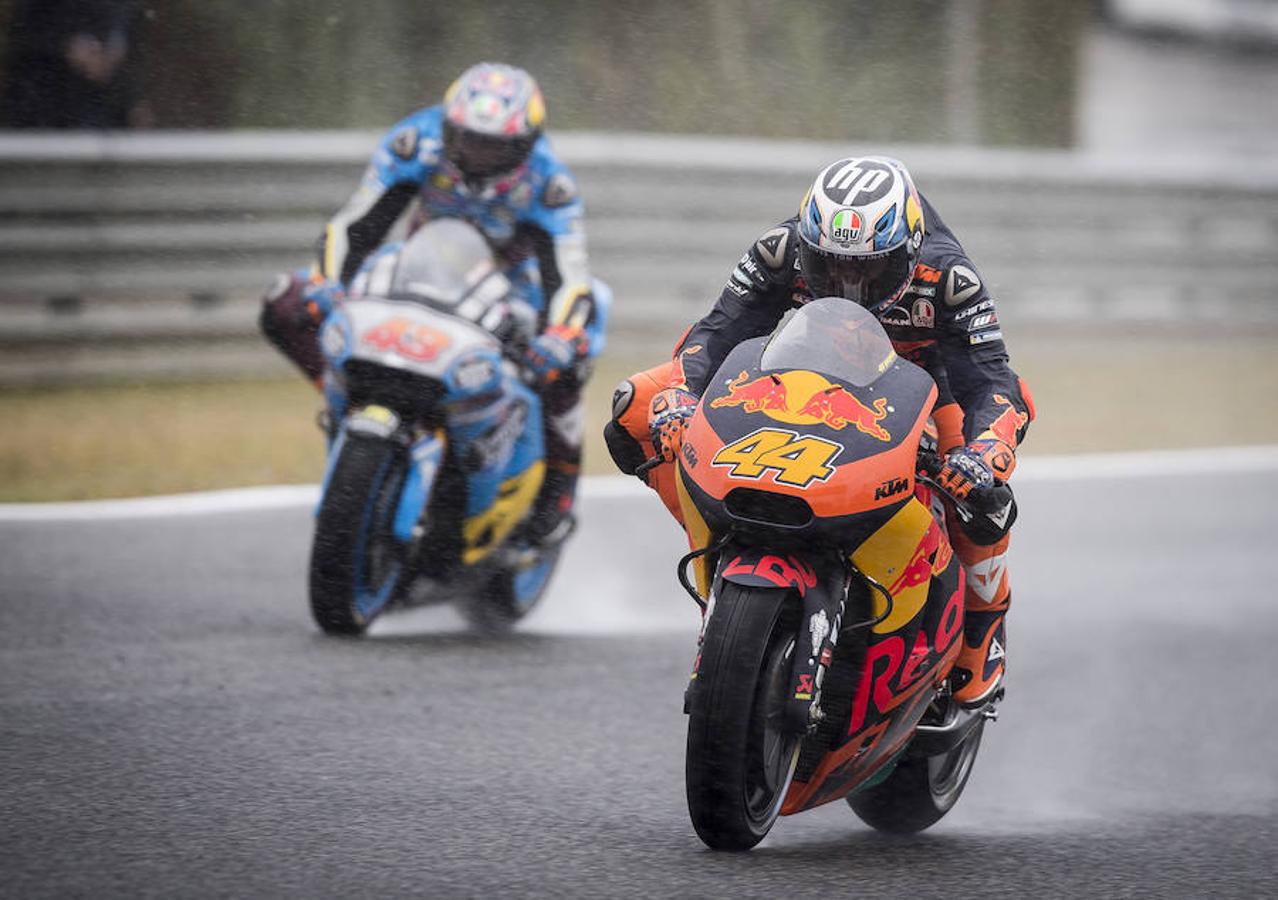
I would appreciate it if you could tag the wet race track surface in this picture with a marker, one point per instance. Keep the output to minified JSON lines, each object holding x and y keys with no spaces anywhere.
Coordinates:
{"x":171,"y":724}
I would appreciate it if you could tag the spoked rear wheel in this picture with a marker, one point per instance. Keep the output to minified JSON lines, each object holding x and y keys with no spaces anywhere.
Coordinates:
{"x":740,"y":759}
{"x":920,"y":790}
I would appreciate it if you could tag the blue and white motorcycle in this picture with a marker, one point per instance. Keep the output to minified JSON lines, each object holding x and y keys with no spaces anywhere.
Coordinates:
{"x":436,"y":450}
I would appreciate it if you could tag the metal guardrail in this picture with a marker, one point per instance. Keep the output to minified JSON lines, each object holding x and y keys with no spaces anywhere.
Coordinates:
{"x":175,"y":234}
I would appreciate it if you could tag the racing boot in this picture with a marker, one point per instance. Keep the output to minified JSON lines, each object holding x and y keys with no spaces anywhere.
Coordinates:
{"x":552,"y":518}
{"x":978,"y":672}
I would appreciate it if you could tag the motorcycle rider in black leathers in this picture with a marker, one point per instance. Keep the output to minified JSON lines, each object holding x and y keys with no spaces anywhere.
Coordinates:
{"x":864,"y":233}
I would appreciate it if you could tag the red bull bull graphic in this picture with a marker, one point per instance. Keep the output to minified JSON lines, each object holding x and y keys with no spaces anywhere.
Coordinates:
{"x":805,"y":398}
{"x":837,"y":408}
{"x":930,"y":558}
{"x":1008,"y":423}
{"x":677,"y":376}
{"x":763,"y":393}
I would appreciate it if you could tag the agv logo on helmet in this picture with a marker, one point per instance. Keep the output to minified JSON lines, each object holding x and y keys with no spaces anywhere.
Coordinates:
{"x":846,"y":226}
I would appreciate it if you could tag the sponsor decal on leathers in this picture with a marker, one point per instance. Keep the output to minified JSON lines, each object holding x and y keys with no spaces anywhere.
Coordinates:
{"x":962,"y":284}
{"x":923,"y":313}
{"x":771,"y":247}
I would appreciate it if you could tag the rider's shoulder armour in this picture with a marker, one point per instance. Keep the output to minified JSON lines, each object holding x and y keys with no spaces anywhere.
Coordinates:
{"x":769,"y":262}
{"x":411,"y":148}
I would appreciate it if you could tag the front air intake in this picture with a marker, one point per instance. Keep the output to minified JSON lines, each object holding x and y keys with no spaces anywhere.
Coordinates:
{"x":780,"y":510}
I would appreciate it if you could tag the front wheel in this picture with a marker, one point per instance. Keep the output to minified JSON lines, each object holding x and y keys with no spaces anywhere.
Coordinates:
{"x":920,"y":790}
{"x":357,"y":564}
{"x":740,"y":759}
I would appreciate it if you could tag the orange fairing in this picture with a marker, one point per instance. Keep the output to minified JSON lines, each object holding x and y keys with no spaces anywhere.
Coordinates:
{"x":830,"y":488}
{"x":838,"y":764}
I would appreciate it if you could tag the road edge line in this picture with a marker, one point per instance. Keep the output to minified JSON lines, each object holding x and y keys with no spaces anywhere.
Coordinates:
{"x":1140,"y":464}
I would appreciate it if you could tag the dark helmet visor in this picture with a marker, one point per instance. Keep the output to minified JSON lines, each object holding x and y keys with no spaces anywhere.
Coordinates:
{"x":867,"y":280}
{"x":484,"y":155}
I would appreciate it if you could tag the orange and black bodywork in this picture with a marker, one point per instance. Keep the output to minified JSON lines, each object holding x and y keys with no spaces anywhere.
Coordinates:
{"x":805,"y":479}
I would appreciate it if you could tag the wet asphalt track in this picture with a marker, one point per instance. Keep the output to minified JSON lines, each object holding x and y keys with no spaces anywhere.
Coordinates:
{"x":172,"y":725}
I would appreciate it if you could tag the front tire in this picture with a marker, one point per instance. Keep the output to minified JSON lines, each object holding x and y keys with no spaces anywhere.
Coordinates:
{"x":740,"y":760}
{"x":920,"y":790}
{"x":357,"y":564}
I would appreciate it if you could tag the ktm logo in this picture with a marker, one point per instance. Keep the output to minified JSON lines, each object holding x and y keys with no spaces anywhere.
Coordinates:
{"x":891,"y":488}
{"x":927,"y":273}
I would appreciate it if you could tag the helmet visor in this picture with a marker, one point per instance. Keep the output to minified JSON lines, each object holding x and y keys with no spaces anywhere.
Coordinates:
{"x":867,"y":280}
{"x":483,"y":155}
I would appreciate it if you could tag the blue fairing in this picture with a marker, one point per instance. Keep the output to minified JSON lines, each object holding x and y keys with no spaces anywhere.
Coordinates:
{"x":494,"y":455}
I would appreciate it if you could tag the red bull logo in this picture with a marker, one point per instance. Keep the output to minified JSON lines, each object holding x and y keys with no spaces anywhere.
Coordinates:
{"x":924,"y":562}
{"x":763,"y":393}
{"x":1008,"y":423}
{"x":805,"y":398}
{"x":837,"y":409}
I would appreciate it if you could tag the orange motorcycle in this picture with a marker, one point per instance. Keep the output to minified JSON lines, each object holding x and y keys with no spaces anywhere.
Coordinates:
{"x":832,"y":600}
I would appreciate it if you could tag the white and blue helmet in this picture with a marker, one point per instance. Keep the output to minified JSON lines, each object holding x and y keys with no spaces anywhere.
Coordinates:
{"x":493,"y":115}
{"x":860,"y":229}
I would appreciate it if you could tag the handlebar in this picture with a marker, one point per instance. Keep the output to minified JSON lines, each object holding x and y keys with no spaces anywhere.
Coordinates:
{"x":929,"y":467}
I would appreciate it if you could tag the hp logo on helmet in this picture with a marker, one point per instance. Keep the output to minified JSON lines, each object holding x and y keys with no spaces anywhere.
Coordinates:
{"x":857,"y":183}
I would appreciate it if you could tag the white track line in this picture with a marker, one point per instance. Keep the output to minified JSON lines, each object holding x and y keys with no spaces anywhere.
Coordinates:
{"x":1145,"y":464}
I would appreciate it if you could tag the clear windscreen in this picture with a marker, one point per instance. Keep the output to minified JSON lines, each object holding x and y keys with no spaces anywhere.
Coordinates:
{"x":834,"y":337}
{"x":441,"y":262}
{"x":446,"y":265}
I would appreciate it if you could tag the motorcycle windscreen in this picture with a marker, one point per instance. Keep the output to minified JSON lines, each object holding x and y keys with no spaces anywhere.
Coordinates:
{"x":445,"y":264}
{"x":832,"y":336}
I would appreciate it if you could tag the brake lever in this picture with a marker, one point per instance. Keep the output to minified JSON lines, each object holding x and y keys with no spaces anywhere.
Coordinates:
{"x":648,"y":465}
{"x":930,"y":464}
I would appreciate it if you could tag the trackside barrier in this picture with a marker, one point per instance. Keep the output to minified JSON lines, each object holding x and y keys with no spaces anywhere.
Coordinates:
{"x":160,"y":236}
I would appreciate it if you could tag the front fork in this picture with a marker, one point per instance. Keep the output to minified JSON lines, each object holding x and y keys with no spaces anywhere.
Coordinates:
{"x":426,"y":457}
{"x":822,"y":581}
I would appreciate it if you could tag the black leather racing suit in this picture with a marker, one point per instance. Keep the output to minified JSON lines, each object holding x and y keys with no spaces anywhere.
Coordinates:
{"x":945,"y":322}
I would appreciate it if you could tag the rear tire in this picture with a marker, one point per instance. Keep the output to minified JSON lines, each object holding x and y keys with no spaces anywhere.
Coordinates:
{"x":739,"y":761}
{"x":357,"y":565}
{"x":509,"y":595}
{"x":920,"y":790}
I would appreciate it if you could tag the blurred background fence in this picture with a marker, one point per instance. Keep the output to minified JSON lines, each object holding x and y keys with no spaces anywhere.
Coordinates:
{"x":1105,"y":163}
{"x":129,"y":239}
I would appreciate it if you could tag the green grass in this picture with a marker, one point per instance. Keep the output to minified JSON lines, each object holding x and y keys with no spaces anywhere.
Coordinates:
{"x":132,"y":440}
